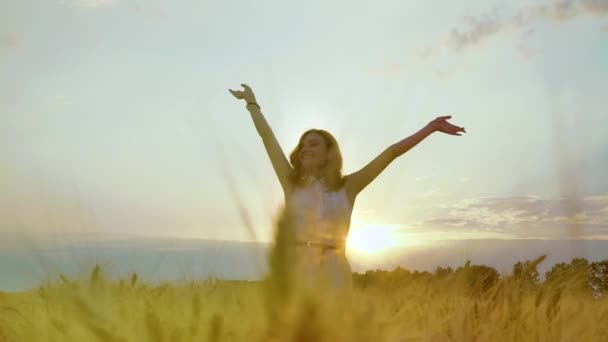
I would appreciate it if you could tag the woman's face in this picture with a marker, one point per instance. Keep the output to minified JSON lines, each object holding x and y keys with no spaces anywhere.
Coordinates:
{"x":313,"y":153}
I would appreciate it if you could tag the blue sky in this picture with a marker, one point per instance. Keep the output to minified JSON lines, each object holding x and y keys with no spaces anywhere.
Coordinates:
{"x":115,"y":116}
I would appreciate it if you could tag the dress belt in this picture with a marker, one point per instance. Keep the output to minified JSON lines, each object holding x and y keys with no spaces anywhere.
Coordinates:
{"x":315,"y":244}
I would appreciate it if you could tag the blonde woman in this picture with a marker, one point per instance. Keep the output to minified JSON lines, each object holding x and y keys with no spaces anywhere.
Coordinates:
{"x":319,"y":196}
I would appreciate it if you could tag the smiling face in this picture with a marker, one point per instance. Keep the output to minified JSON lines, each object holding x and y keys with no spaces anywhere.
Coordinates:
{"x":313,"y":152}
{"x":318,"y":154}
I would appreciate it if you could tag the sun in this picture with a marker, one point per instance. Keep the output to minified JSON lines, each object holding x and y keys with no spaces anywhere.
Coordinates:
{"x":371,"y":239}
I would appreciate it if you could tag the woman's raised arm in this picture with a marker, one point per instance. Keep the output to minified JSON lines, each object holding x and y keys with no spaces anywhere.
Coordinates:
{"x":357,"y":181}
{"x":279,"y":161}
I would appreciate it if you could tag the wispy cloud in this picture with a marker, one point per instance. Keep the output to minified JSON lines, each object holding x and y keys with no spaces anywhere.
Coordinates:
{"x":487,"y":25}
{"x":524,"y":216}
{"x":482,"y":27}
{"x":479,"y":28}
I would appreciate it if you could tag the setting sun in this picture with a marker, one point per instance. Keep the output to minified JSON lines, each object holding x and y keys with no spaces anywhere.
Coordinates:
{"x":371,"y":239}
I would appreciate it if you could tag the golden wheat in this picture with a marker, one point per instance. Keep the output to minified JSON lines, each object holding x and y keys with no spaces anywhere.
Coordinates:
{"x":424,"y":308}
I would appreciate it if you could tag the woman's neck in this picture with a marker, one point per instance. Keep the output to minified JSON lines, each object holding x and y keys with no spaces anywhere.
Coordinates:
{"x":317,"y":173}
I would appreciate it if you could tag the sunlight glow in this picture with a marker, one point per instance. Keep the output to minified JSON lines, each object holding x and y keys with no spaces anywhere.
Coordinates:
{"x":372,"y":239}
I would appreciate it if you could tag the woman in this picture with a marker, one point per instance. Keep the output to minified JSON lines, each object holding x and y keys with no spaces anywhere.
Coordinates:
{"x":319,"y":198}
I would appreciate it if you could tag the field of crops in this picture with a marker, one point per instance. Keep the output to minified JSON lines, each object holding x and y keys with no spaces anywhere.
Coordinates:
{"x":467,"y":304}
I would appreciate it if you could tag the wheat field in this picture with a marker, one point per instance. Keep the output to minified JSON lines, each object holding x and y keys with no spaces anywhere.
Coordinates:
{"x":397,"y":306}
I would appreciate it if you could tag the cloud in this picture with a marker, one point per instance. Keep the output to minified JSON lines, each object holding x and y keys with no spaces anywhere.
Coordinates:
{"x":8,"y":41}
{"x":480,"y":28}
{"x":524,"y":216}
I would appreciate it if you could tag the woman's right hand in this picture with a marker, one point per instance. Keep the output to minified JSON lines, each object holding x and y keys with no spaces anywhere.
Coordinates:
{"x":246,"y":95}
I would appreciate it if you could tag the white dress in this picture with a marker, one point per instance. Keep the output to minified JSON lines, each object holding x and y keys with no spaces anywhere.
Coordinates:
{"x":322,"y":217}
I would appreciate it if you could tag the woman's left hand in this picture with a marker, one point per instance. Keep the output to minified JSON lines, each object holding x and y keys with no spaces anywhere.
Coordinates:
{"x":440,"y":124}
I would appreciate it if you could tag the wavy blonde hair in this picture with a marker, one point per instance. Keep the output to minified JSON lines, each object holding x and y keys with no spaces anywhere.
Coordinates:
{"x":333,"y":169}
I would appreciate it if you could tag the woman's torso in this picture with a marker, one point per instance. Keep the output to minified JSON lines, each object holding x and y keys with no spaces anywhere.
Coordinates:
{"x":320,"y":216}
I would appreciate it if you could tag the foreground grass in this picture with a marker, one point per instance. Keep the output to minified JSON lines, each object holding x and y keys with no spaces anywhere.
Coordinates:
{"x":420,"y":309}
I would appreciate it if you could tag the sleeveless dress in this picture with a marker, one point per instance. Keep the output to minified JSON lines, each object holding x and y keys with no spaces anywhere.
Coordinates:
{"x":321,"y":218}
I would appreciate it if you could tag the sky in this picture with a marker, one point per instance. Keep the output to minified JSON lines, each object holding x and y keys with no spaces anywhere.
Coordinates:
{"x":115,"y":116}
